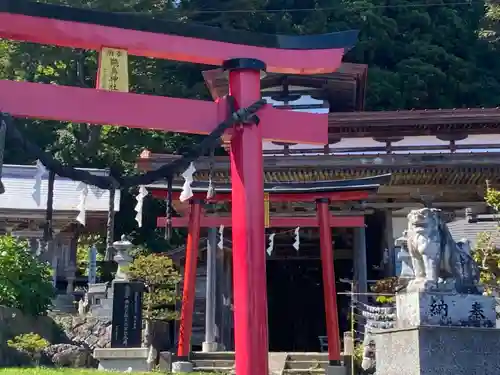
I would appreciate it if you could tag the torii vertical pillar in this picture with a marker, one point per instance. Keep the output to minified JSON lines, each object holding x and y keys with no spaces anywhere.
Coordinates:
{"x":249,"y":261}
{"x":189,"y":289}
{"x":329,"y":289}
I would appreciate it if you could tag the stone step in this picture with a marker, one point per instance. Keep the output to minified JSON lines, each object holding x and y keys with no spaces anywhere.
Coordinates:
{"x":212,"y":356}
{"x":307,"y":356}
{"x":311,"y":364}
{"x":212,"y":362}
{"x":303,"y":372}
{"x":217,"y":370}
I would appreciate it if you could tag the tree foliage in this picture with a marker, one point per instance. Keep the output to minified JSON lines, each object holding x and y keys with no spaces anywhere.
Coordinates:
{"x":30,"y":343}
{"x":25,"y":282}
{"x":486,"y":251}
{"x":420,"y":53}
{"x":159,"y":274}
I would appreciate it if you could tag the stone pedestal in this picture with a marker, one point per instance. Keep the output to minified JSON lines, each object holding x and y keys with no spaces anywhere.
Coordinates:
{"x":208,"y":347}
{"x":440,"y":334}
{"x":438,"y":350}
{"x":123,"y":359}
{"x":444,"y":309}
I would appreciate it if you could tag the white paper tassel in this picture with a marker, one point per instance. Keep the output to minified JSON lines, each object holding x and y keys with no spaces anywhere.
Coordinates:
{"x":221,"y":237}
{"x":37,"y":186}
{"x":97,"y":191}
{"x":143,"y":192}
{"x":270,"y":248}
{"x":187,"y":192}
{"x":296,"y":244}
{"x":84,"y":192}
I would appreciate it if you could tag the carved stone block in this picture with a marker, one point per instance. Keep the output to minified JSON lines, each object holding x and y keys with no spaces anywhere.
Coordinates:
{"x":438,"y":350}
{"x":441,"y":309}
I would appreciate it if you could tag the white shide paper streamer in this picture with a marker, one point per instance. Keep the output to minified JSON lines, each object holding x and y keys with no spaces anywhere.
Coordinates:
{"x":270,"y":248}
{"x":221,"y":237}
{"x":84,"y":192}
{"x":37,"y":186}
{"x":143,"y":192}
{"x":296,"y":244}
{"x":187,"y":192}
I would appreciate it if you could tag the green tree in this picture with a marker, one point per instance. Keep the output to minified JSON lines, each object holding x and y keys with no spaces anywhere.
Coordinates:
{"x":161,"y":278}
{"x":85,"y":243}
{"x":30,"y":343}
{"x":486,"y":251}
{"x":25,"y":282}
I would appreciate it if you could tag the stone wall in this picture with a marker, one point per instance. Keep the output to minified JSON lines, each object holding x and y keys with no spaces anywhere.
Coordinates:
{"x":85,"y":331}
{"x":14,"y":323}
{"x":88,"y":332}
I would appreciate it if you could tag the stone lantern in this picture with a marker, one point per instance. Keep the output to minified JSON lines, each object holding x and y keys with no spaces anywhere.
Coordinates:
{"x":122,"y":258}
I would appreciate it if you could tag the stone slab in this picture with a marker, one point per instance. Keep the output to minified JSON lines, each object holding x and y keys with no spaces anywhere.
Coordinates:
{"x":444,"y":309}
{"x":182,"y":367}
{"x":123,"y":359}
{"x":336,"y":370}
{"x":277,"y":362}
{"x":438,"y":350}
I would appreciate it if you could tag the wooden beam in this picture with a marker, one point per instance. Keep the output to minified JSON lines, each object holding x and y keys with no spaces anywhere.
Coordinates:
{"x":276,"y":222}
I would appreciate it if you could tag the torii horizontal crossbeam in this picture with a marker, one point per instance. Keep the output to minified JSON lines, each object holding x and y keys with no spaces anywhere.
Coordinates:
{"x":149,"y":112}
{"x":275,"y":222}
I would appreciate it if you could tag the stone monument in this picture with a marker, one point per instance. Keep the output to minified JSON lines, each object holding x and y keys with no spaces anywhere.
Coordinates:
{"x":123,"y":302}
{"x":444,"y":323}
{"x":100,"y":295}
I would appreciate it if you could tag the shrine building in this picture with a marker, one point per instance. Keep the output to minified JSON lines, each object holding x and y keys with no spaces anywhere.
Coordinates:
{"x":438,"y":158}
{"x":23,"y":210}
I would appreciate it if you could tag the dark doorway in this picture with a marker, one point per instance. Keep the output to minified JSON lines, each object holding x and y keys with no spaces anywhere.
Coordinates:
{"x":295,"y":304}
{"x":374,"y":244}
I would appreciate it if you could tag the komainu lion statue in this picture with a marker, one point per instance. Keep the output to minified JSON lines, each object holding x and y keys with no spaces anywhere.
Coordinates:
{"x":438,"y":261}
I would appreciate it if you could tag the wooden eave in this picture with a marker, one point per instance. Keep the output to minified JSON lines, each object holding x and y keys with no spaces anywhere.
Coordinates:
{"x":344,"y":89}
{"x":414,"y":123}
{"x":471,"y":169}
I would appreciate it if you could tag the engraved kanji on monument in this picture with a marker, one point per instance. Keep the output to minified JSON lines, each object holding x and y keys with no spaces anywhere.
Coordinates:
{"x":444,"y":325}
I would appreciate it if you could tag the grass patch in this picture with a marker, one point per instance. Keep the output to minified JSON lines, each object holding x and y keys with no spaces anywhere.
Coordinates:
{"x":62,"y":371}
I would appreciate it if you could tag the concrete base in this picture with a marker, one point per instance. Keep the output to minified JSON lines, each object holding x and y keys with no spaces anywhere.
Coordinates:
{"x":336,"y":370}
{"x":123,"y":359}
{"x":438,"y":350}
{"x":209,"y":347}
{"x":182,"y":367}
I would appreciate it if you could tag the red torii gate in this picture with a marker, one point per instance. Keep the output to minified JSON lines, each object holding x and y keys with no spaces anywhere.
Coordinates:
{"x":142,"y":36}
{"x":321,"y":192}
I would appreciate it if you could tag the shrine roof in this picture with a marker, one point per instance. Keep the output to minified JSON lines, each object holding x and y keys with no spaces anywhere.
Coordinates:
{"x":19,"y":198}
{"x":461,"y":228}
{"x":365,"y":184}
{"x":344,"y":89}
{"x":447,"y":122}
{"x":452,"y":177}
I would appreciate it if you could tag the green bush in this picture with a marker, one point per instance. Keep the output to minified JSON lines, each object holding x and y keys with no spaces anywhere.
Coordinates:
{"x":25,"y":282}
{"x":29,"y":343}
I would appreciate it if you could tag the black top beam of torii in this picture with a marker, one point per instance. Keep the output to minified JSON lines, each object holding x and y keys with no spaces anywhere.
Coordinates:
{"x":142,"y":22}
